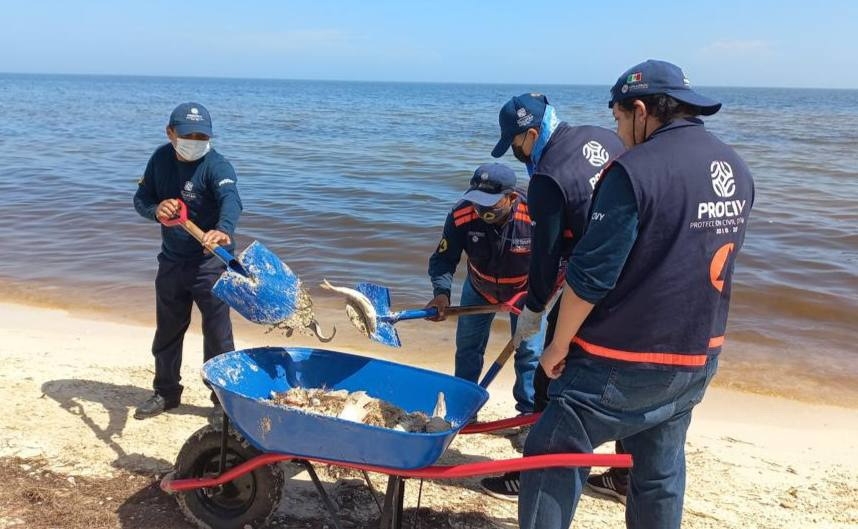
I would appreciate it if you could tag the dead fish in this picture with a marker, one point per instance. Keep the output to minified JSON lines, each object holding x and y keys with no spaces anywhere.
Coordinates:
{"x":363,"y":314}
{"x":440,"y":406}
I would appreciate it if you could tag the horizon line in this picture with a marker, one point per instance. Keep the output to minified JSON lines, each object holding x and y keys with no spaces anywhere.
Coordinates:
{"x":293,"y":79}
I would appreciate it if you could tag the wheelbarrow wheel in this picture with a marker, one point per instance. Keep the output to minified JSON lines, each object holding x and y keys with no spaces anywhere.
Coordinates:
{"x":246,"y":502}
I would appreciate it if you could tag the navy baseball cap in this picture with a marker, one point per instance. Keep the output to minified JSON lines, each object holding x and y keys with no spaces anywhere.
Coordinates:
{"x":660,"y":77}
{"x":491,"y":181}
{"x":516,"y":116}
{"x":189,"y":118}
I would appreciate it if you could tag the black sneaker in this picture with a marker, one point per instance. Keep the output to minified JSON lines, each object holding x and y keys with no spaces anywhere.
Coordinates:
{"x":155,"y":405}
{"x":502,"y":487}
{"x":610,"y":483}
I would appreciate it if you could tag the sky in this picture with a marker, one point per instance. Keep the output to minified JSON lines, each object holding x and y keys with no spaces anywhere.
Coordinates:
{"x":724,"y":43}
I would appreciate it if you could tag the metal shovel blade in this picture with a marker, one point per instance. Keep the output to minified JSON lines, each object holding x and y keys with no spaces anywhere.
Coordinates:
{"x":268,"y":294}
{"x":379,"y":296}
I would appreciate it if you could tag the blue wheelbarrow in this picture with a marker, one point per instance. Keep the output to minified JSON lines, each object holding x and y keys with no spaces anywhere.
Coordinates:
{"x":228,"y":477}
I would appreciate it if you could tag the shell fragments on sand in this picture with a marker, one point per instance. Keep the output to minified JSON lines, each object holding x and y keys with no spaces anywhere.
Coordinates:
{"x":357,"y":406}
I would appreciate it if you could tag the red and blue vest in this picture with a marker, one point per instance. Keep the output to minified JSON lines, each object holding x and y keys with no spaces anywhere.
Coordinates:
{"x":498,"y":256}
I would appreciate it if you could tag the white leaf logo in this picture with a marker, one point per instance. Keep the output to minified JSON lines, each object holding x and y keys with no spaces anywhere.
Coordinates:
{"x":722,"y":179}
{"x":595,"y":153}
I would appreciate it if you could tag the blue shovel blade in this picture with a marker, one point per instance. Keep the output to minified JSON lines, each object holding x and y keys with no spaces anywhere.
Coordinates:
{"x":379,"y":296}
{"x":269,"y":293}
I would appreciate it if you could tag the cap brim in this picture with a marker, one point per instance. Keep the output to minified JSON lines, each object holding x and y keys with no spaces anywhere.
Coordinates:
{"x":481,"y":198}
{"x":501,"y":147}
{"x":184,"y":130}
{"x":707,"y":106}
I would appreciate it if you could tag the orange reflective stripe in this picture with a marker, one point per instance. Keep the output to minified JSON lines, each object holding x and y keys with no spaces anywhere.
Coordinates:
{"x":502,"y":280}
{"x":491,"y":299}
{"x":717,"y":341}
{"x":464,"y":219}
{"x":671,"y":359}
{"x":524,"y":217}
{"x":464,"y":211}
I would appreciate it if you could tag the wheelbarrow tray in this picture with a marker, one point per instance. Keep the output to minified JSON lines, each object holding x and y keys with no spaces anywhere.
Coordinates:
{"x":243,"y":381}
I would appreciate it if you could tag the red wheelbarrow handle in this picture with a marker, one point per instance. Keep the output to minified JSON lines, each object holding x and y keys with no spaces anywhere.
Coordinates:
{"x":170,"y":484}
{"x":491,"y":426}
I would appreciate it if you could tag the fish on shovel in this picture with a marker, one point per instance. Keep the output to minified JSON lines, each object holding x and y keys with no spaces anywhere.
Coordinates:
{"x":258,"y":285}
{"x":358,"y":308}
{"x":368,"y":308}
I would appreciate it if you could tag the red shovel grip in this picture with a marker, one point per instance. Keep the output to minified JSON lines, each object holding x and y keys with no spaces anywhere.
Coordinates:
{"x":181,"y":219}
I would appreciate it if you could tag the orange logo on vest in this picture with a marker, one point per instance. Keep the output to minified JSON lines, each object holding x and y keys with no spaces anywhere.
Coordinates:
{"x":718,"y":266}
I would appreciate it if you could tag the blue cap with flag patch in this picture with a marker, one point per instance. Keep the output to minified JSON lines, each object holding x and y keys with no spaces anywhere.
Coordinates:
{"x":491,"y":181}
{"x":660,"y":77}
{"x":516,"y":116}
{"x":189,"y":118}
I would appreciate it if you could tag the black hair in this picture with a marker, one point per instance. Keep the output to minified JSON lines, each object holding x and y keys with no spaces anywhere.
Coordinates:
{"x":662,"y":107}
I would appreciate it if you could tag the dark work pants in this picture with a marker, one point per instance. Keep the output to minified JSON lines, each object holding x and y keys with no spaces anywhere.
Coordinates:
{"x":178,"y":286}
{"x":541,"y":381}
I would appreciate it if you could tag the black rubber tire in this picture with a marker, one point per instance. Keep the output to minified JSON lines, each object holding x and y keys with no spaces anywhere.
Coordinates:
{"x":247,"y":502}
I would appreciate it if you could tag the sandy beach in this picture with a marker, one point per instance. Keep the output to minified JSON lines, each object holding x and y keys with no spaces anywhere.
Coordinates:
{"x":69,"y":383}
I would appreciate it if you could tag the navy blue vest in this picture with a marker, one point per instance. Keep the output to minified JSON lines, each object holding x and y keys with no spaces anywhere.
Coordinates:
{"x":670,"y":304}
{"x":498,"y":260}
{"x":574,"y":158}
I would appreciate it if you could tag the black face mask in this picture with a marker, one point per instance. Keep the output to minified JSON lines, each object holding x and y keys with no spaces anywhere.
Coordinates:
{"x":518,"y":152}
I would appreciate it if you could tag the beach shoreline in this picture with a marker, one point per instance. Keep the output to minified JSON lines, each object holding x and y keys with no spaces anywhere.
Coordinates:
{"x":746,"y":367}
{"x":70,"y":382}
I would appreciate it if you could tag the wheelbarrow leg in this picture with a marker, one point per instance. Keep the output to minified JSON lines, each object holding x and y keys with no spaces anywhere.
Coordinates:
{"x":329,"y":504}
{"x":391,"y":515}
{"x":224,"y":438}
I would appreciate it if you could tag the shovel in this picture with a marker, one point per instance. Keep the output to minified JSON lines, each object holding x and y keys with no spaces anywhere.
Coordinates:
{"x":258,"y":285}
{"x":368,"y":307}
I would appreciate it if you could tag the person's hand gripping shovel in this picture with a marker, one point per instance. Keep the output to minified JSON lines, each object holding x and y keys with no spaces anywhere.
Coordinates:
{"x":257,"y":284}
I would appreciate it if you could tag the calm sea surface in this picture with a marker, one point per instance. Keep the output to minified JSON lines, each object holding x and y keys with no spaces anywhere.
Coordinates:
{"x":352,"y":181}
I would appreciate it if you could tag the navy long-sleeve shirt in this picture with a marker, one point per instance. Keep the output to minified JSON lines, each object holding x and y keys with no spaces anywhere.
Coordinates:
{"x":546,"y":243}
{"x":598,"y":258}
{"x":207,"y":186}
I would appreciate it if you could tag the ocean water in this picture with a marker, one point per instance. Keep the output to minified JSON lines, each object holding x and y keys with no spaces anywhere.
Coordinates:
{"x":352,"y":181}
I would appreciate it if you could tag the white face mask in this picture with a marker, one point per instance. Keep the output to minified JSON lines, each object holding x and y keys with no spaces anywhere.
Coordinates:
{"x":192,"y":150}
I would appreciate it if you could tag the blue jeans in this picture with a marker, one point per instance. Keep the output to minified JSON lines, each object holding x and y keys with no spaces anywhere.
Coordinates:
{"x":472,"y":337}
{"x":595,"y":401}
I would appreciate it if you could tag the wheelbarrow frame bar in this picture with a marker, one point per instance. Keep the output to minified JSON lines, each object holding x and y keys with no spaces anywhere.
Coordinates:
{"x":170,"y":484}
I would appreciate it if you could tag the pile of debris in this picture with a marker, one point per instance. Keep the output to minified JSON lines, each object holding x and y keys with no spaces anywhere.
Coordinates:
{"x":357,"y":406}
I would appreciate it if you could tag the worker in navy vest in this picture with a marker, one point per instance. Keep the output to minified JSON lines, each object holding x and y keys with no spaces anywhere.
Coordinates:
{"x":644,"y":308}
{"x":187,"y":168}
{"x":492,"y":226}
{"x":564,"y":163}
